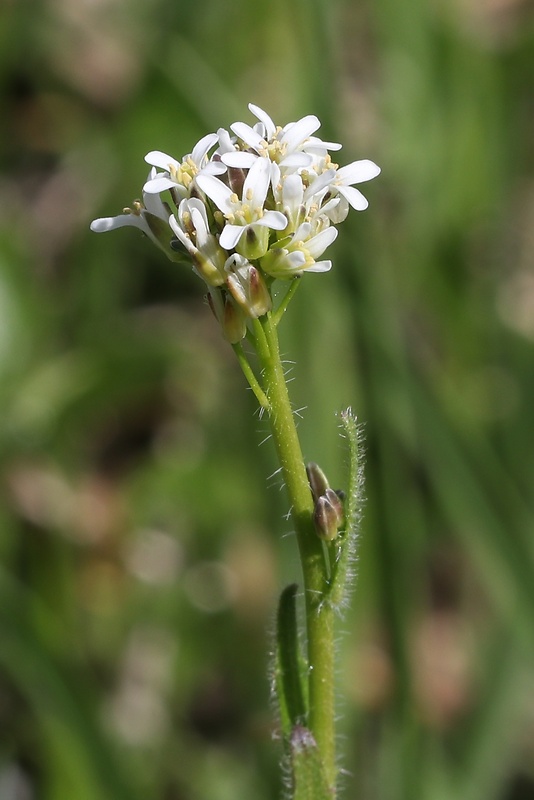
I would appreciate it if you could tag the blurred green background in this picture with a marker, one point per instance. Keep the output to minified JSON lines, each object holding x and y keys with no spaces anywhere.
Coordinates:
{"x":142,"y":543}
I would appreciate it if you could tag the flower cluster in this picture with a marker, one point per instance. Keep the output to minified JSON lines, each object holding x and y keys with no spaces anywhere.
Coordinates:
{"x":247,"y":207}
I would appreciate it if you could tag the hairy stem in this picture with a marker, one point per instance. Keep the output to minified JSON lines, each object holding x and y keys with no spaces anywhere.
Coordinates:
{"x":319,"y":615}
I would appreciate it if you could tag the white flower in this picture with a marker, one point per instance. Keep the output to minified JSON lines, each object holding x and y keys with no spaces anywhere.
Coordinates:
{"x":289,"y":194}
{"x":299,"y":254}
{"x":300,"y":202}
{"x":151,"y":217}
{"x":342,"y":184}
{"x":180,"y":175}
{"x":250,"y":204}
{"x":292,"y":146}
{"x":191,"y":227}
{"x":247,"y":221}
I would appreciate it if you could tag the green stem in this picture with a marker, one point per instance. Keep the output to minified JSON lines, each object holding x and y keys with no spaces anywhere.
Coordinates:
{"x":319,"y":614}
{"x":249,"y":375}
{"x":277,"y":315}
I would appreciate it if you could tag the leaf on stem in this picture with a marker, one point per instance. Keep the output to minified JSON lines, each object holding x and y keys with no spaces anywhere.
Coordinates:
{"x":343,"y":548}
{"x":290,"y":664}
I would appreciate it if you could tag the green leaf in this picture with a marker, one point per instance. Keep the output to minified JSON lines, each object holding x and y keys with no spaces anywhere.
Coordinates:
{"x":343,"y":549}
{"x":289,"y":663}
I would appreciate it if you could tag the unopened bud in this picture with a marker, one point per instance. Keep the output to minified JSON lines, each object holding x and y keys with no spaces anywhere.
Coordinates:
{"x":247,"y":286}
{"x":328,"y":515}
{"x":260,"y":299}
{"x":231,"y":318}
{"x":317,"y":480}
{"x":207,"y":269}
{"x":326,"y":519}
{"x":337,"y":504}
{"x":234,"y":322}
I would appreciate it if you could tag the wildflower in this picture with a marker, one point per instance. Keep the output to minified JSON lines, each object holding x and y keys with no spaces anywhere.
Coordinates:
{"x":299,"y":254}
{"x":286,"y":146}
{"x":248,"y":223}
{"x":342,"y":185}
{"x":192,"y":230}
{"x":179,"y":176}
{"x":151,"y":217}
{"x":245,"y":207}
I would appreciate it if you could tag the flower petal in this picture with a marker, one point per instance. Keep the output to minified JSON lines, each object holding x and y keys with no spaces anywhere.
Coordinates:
{"x":272,"y":219}
{"x":182,"y":236}
{"x":319,"y":183}
{"x":226,"y":143}
{"x":320,"y":266}
{"x":248,"y":135}
{"x":297,"y":132}
{"x":292,"y":192}
{"x":318,"y":244}
{"x":201,"y":148}
{"x":158,"y":159}
{"x":104,"y":224}
{"x":270,"y":127}
{"x":231,"y":235}
{"x":297,"y":160}
{"x":239,"y":159}
{"x":357,"y":172}
{"x":214,"y":168}
{"x":217,"y":191}
{"x":257,"y":183}
{"x":159,"y":184}
{"x":155,"y":205}
{"x":314,"y":143}
{"x":354,"y":197}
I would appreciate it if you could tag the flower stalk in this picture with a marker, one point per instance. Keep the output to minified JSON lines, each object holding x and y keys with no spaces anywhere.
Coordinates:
{"x":319,"y":615}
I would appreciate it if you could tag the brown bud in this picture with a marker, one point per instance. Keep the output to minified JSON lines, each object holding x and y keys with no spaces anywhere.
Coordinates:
{"x":317,"y":480}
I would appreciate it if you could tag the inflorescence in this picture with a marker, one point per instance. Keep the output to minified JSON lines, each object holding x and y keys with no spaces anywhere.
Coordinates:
{"x":263,"y":205}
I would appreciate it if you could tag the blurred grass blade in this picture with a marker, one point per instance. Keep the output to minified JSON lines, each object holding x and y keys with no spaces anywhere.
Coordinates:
{"x":78,"y":753}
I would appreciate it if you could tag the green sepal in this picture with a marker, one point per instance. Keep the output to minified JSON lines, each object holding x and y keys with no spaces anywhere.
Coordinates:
{"x":308,"y":781}
{"x":290,"y":665}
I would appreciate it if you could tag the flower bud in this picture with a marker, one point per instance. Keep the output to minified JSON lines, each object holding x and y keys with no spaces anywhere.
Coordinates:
{"x":317,"y":480}
{"x":230,"y":316}
{"x":234,"y":324}
{"x":326,"y":519}
{"x":336,"y":501}
{"x":247,"y":286}
{"x":206,"y":269}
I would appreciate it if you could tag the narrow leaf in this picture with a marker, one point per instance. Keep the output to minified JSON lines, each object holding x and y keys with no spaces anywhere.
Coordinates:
{"x":289,"y":662}
{"x":343,"y":548}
